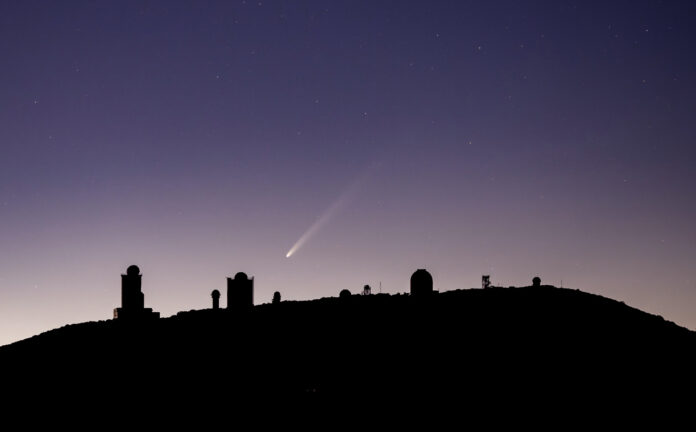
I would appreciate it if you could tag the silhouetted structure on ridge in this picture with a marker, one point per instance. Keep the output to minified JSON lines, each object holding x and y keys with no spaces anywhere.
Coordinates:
{"x":486,"y":281}
{"x":132,"y":297}
{"x":536,"y":282}
{"x":276,"y":297}
{"x":421,"y":283}
{"x":216,"y":299}
{"x":240,"y":292}
{"x":463,"y":340}
{"x":367,"y":290}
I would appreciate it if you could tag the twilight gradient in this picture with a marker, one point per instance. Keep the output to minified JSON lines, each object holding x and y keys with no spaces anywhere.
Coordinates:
{"x":199,"y":139}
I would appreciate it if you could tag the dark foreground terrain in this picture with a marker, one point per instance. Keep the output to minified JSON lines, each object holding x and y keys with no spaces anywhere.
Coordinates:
{"x":534,"y":348}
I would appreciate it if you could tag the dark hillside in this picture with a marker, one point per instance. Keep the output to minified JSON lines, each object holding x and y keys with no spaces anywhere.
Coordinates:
{"x":466,"y":346}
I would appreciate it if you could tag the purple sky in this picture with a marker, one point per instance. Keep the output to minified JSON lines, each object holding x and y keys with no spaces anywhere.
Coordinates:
{"x":196,"y":140}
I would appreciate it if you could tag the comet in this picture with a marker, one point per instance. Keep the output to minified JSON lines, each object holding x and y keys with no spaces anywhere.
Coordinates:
{"x":347,"y":195}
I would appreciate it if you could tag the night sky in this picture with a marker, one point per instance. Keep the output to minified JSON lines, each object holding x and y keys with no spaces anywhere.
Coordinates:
{"x":199,"y":139}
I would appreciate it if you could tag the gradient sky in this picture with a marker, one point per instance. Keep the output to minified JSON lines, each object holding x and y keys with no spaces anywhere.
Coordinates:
{"x":199,"y":139}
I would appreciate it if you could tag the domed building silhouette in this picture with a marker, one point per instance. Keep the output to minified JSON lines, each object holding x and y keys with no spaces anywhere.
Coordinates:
{"x":421,"y":283}
{"x":536,"y":282}
{"x":216,"y":299}
{"x":132,"y":297}
{"x":240,"y":292}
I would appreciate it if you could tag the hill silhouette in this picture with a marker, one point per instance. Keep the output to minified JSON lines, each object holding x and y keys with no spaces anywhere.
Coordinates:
{"x":532,"y":345}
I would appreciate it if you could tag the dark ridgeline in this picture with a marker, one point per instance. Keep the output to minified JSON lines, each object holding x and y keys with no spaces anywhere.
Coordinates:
{"x":538,"y":347}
